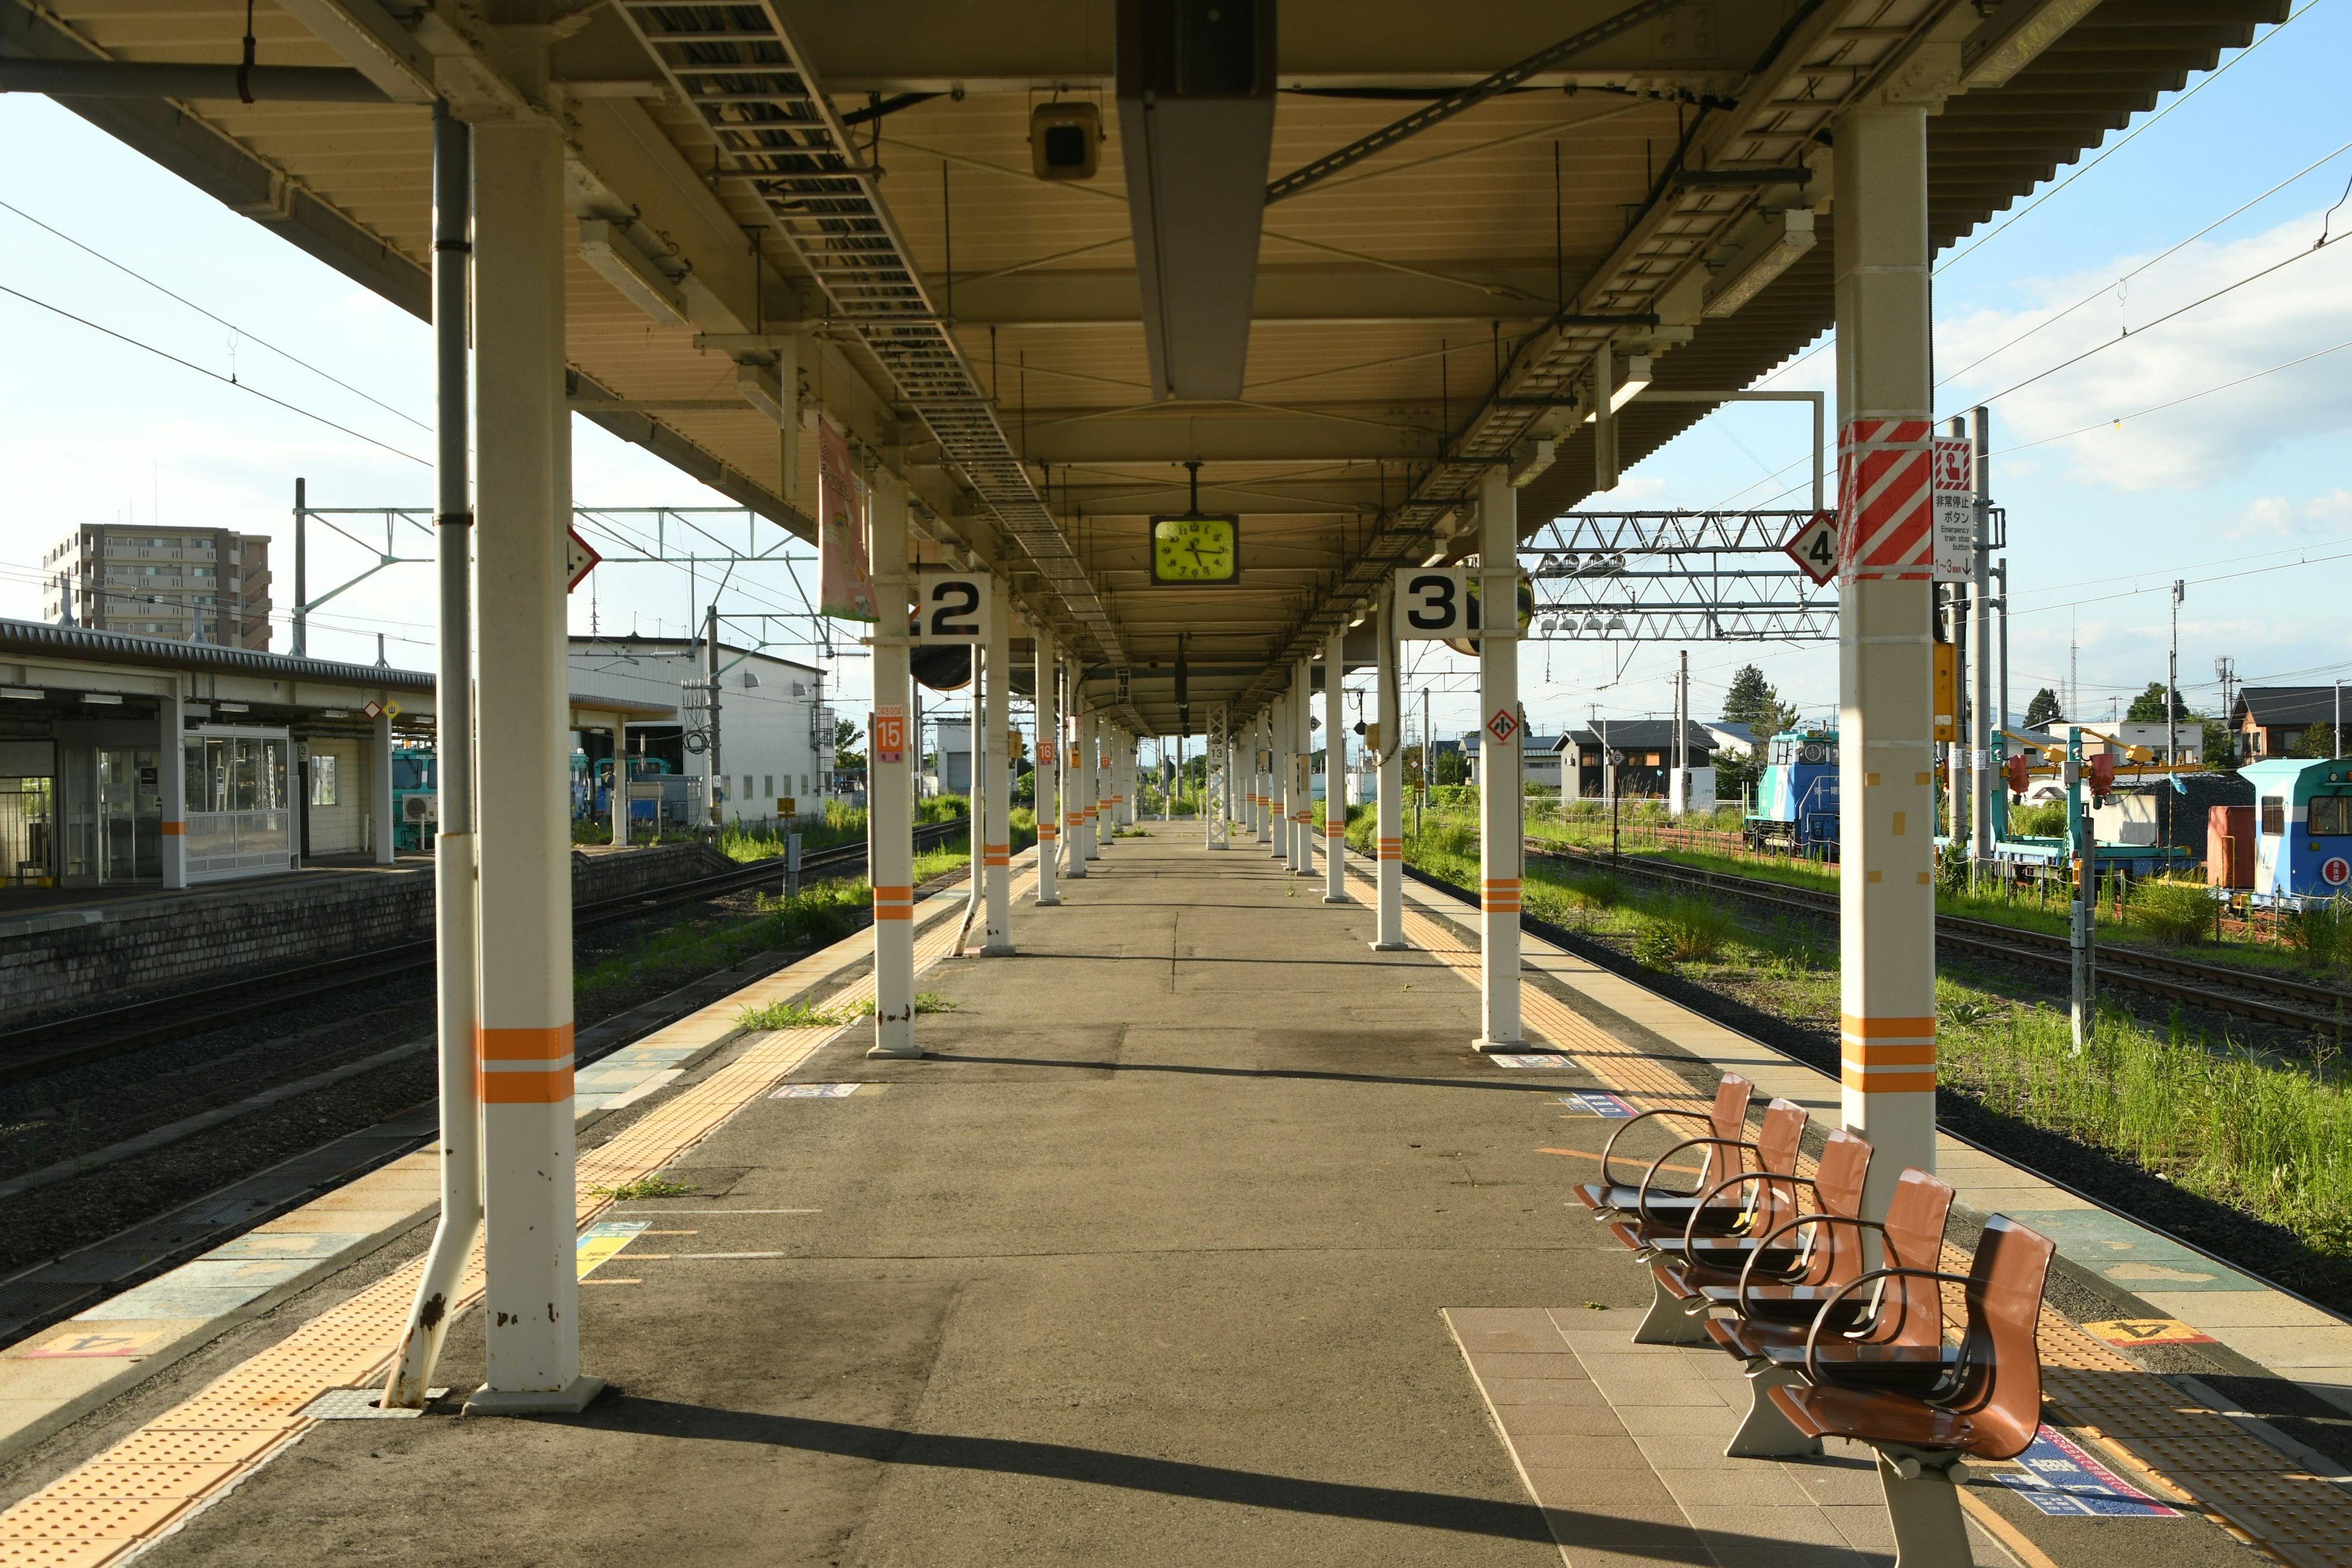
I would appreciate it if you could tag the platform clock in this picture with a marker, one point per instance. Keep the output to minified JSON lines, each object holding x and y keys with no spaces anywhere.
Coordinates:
{"x":1196,"y":549}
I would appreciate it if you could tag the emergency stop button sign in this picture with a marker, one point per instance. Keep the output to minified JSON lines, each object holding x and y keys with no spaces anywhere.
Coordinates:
{"x":2335,"y":870}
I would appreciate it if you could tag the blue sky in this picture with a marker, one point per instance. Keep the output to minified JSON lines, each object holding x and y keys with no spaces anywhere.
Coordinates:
{"x":2243,"y":491}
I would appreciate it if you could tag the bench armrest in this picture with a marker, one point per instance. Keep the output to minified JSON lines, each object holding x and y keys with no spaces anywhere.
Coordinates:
{"x":1642,"y":1198}
{"x":1812,"y":1336}
{"x":1611,"y":1147}
{"x":1802,"y":1220}
{"x":1690,"y":1227}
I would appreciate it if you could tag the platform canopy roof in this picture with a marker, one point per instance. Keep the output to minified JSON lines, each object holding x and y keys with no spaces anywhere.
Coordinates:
{"x":1368,"y":271}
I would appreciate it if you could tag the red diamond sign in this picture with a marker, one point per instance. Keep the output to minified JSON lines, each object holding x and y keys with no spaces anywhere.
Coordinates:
{"x":1502,"y":726}
{"x":1814,"y":548}
{"x":373,"y":709}
{"x":579,"y":559}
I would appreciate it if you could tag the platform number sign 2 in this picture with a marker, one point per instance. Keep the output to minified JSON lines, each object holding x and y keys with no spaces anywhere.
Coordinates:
{"x":949,"y":609}
{"x":1814,"y":548}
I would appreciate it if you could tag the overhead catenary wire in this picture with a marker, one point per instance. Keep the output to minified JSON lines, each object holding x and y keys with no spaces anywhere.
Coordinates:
{"x":210,"y":316}
{"x":214,"y":375}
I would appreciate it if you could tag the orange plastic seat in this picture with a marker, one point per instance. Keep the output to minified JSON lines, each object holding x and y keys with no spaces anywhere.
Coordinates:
{"x":1768,"y":1196}
{"x":1987,"y":1401}
{"x":1727,"y":1121}
{"x":1777,"y":1319}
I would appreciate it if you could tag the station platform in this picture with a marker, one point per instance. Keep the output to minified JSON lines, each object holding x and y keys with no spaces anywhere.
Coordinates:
{"x":1202,"y":1236}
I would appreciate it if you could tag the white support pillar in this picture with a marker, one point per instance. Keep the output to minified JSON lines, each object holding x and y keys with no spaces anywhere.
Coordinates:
{"x":171,"y":753}
{"x":1078,"y":785}
{"x":380,"y":787}
{"x":890,"y":786}
{"x":976,"y":793}
{"x":1122,"y":773}
{"x":1500,"y":852}
{"x":1098,"y":824}
{"x":619,"y":803}
{"x":1885,"y":756}
{"x":996,"y":850}
{"x":1261,"y":759}
{"x":1387,"y":925}
{"x":1302,"y":746}
{"x":1278,"y":802}
{"x":1045,"y":777}
{"x":1335,"y":770}
{"x":531,"y":1315}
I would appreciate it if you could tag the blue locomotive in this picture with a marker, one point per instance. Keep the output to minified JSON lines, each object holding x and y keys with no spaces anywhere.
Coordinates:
{"x":1796,"y":808}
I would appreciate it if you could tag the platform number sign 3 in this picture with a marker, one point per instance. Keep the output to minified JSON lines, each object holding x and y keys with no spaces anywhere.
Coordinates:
{"x":1434,"y":602}
{"x":1814,"y":548}
{"x":949,"y":609}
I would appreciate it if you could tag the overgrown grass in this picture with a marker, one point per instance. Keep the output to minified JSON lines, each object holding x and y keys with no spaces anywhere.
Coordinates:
{"x":2214,"y":1118}
{"x":801,"y":1016}
{"x":821,"y":914}
{"x":2271,"y":1138}
{"x":647,"y":1187}
{"x":1680,"y":928}
{"x":2172,"y":911}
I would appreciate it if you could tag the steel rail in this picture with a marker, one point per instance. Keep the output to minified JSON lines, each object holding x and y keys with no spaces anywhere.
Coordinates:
{"x":2222,"y":988}
{"x":118,"y":1031}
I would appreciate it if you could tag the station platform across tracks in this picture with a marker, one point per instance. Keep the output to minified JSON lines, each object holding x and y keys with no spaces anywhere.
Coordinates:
{"x":1203,"y":1235}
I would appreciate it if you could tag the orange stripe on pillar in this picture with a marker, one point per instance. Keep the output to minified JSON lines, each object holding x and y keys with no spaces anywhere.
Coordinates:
{"x":1887,"y":1028}
{"x":523,"y":1066}
{"x":175,"y":829}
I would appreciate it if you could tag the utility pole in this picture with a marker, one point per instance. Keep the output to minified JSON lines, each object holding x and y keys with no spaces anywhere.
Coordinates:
{"x":2082,"y":931}
{"x":1982,"y":723}
{"x":1681,"y":801}
{"x":710,"y":667}
{"x":2172,"y":706}
{"x":1428,"y":761}
{"x":2225,"y":669}
{"x":302,"y":571}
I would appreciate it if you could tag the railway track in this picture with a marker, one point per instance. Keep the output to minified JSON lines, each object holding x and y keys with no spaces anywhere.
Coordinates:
{"x":62,"y":1043}
{"x":2277,"y":1000}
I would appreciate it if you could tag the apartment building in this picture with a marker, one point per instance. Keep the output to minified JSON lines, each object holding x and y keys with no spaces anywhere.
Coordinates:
{"x":162,"y":582}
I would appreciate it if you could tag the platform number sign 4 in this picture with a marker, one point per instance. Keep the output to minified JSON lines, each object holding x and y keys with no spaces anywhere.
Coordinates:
{"x":1814,"y":548}
{"x":949,"y":609}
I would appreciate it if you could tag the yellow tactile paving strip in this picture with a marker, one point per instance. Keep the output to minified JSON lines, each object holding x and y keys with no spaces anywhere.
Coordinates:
{"x":113,"y":1507}
{"x":2195,"y":1455}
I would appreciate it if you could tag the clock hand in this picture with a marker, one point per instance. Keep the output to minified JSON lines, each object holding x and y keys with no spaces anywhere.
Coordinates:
{"x":1196,"y":553}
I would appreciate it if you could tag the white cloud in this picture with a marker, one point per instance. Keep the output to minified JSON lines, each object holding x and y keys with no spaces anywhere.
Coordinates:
{"x":2303,"y":307}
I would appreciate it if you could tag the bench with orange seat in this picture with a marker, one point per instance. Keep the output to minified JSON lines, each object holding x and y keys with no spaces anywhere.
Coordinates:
{"x":1692,"y":1266}
{"x":1775,"y":1317}
{"x":1726,"y":1123}
{"x":1924,"y":1408}
{"x":1762,"y":1199}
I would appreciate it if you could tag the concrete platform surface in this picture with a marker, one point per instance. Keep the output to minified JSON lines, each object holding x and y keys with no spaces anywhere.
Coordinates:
{"x":1203,"y":1236}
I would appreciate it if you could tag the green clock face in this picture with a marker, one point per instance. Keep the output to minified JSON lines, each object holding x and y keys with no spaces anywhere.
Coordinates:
{"x":1196,"y":550}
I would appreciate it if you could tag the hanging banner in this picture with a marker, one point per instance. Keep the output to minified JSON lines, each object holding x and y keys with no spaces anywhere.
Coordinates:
{"x":1956,"y":509}
{"x":1885,"y":511}
{"x":845,"y":580}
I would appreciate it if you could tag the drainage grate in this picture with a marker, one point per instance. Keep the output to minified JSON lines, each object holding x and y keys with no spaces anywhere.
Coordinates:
{"x":359,"y":1405}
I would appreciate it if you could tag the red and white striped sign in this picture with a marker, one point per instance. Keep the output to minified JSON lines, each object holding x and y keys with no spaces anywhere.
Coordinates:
{"x":1885,"y":494}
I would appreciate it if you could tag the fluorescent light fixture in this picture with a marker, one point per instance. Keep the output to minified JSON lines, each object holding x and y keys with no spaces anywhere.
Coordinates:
{"x":610,"y":252}
{"x":21,"y":693}
{"x":336,"y":712}
{"x":1784,"y":237}
{"x":232,"y":708}
{"x":1637,"y":381}
{"x":102,"y":698}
